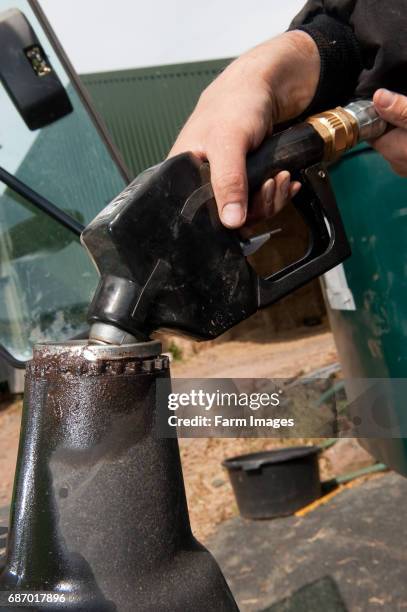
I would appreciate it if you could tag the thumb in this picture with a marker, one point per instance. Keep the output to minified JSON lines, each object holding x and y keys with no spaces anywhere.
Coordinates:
{"x":391,"y":107}
{"x":227,"y":160}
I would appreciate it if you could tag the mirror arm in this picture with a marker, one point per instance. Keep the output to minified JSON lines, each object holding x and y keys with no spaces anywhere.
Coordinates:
{"x":51,"y":210}
{"x":40,"y":202}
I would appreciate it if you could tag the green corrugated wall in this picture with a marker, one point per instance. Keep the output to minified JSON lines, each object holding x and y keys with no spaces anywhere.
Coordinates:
{"x":144,"y":109}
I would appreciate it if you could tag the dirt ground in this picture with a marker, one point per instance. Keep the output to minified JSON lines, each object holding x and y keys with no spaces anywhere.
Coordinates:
{"x":292,"y":354}
{"x":284,"y":356}
{"x":209,"y":493}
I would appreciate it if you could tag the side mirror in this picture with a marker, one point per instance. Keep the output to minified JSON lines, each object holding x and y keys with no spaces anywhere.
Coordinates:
{"x":58,"y":169}
{"x":27,"y":74}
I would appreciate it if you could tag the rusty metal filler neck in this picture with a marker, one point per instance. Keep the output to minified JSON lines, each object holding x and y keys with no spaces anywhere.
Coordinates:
{"x":106,"y":524}
{"x":79,"y":358}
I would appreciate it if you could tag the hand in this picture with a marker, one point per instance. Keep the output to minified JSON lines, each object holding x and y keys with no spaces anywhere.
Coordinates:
{"x":238,"y":110}
{"x":392,"y":108}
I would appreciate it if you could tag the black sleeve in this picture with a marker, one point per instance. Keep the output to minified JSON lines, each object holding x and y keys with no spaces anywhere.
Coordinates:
{"x":362,"y":43}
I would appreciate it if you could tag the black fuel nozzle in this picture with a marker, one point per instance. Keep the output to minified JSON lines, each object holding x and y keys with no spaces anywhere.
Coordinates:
{"x":166,"y":261}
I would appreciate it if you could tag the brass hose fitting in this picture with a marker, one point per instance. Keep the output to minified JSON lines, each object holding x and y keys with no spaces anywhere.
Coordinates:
{"x":339,"y":130}
{"x":343,"y":128}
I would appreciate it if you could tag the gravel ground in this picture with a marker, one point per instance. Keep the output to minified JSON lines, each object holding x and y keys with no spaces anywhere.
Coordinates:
{"x":209,"y":493}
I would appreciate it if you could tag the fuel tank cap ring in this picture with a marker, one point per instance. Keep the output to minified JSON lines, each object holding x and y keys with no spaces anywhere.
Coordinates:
{"x":97,"y":352}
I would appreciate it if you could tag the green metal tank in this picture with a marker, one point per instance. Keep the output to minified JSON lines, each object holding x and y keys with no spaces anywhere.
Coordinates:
{"x":367,"y":296}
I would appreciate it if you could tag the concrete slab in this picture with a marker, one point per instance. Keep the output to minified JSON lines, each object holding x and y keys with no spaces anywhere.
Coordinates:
{"x":347,"y":556}
{"x":351,"y":554}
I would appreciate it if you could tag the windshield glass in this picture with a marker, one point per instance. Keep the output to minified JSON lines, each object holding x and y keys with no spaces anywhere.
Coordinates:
{"x":46,"y":278}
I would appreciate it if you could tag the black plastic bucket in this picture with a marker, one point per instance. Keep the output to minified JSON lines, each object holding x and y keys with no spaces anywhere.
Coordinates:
{"x":275,"y":483}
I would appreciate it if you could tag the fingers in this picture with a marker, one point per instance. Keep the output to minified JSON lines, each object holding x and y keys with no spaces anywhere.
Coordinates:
{"x":272,"y":197}
{"x":225,"y":148}
{"x":392,"y":107}
{"x":393,"y":147}
{"x":227,"y":159}
{"x":285,"y":190}
{"x":295,"y":188}
{"x":262,"y":203}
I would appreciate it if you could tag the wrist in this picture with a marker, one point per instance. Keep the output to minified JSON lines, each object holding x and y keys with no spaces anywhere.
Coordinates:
{"x":294,"y":75}
{"x":289,"y":67}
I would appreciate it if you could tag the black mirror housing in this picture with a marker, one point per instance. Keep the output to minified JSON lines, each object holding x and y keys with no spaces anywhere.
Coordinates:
{"x":27,"y":74}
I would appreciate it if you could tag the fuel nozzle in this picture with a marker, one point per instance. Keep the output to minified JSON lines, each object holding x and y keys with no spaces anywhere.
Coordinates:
{"x":343,"y":128}
{"x":165,"y":260}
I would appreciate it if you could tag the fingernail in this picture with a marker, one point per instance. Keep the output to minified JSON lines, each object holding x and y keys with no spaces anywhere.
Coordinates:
{"x":385,"y":98}
{"x":232,"y":214}
{"x":270,"y":190}
{"x":295,"y":189}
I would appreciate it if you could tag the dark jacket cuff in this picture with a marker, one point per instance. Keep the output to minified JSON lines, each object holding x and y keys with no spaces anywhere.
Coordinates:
{"x":341,"y":61}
